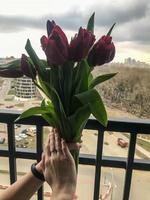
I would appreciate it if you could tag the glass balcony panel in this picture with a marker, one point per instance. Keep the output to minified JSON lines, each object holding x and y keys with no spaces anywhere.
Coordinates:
{"x":47,"y":191}
{"x":89,"y":138}
{"x":4,"y":174}
{"x":112,"y":183}
{"x":143,"y":146}
{"x":140,"y":185}
{"x":25,"y":137}
{"x":85,"y":183}
{"x":116,"y":144}
{"x":3,"y":136}
{"x":23,"y":167}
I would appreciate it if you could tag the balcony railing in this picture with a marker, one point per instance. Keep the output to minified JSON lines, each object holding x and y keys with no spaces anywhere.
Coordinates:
{"x":133,"y":127}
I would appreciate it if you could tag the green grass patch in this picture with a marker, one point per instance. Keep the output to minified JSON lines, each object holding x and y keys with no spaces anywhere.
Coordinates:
{"x":144,"y":144}
{"x":11,"y":92}
{"x":20,"y":105}
{"x":9,"y":98}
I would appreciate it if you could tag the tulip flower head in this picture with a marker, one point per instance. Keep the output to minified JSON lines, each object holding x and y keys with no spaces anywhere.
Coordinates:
{"x":102,"y":52}
{"x":27,"y":68}
{"x":56,"y":46}
{"x":50,"y":25}
{"x":80,"y":45}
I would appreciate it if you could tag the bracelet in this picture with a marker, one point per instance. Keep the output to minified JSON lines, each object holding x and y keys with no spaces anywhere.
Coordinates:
{"x":36,"y":173}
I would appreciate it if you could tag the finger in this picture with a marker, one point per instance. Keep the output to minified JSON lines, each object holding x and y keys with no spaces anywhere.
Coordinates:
{"x":65,"y":149}
{"x":47,"y":148}
{"x":74,"y":146}
{"x":57,"y":143}
{"x":52,"y":142}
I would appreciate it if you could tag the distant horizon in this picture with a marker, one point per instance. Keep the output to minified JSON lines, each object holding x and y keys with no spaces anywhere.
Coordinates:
{"x":20,"y":20}
{"x":114,"y":61}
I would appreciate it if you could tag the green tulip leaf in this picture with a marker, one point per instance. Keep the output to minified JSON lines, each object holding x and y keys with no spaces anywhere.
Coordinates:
{"x":34,"y":111}
{"x":99,"y":112}
{"x":81,"y":73}
{"x":50,"y":120}
{"x":44,"y":87}
{"x":93,"y":99}
{"x":90,"y":78}
{"x":36,"y":61}
{"x":66,"y":80}
{"x":15,"y":64}
{"x":110,"y":30}
{"x":11,"y":69}
{"x":43,"y":103}
{"x":77,"y":120}
{"x":90,"y":25}
{"x":100,"y":79}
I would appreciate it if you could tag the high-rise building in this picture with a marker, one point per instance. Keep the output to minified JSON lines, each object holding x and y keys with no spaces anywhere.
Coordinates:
{"x":24,"y":88}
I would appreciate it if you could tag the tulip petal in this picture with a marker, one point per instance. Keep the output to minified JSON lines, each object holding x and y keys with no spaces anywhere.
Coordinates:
{"x":80,"y":45}
{"x":27,"y":68}
{"x":50,"y":25}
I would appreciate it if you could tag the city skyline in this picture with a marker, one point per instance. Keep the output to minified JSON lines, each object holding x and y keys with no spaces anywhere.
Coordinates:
{"x":20,"y":20}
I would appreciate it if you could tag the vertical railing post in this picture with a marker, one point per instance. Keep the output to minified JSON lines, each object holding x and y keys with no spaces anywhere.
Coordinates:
{"x":98,"y":164}
{"x":129,"y":167}
{"x":39,"y":150}
{"x":11,"y":151}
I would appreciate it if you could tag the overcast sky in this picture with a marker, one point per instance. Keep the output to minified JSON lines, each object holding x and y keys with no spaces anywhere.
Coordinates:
{"x":22,"y":19}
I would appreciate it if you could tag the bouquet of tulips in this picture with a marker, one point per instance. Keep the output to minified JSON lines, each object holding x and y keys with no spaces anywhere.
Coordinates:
{"x":65,"y":78}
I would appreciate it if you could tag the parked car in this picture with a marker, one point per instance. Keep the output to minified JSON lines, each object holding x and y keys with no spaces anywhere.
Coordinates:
{"x":121,"y":142}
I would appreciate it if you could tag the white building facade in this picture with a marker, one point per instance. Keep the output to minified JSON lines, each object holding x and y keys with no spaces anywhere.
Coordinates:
{"x":24,"y":88}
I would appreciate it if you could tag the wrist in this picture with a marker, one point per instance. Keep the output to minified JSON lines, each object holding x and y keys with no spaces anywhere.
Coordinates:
{"x":66,"y":192}
{"x":39,"y":167}
{"x":63,"y":196}
{"x":36,"y":172}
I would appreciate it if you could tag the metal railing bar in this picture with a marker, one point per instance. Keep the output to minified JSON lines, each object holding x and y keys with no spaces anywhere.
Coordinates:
{"x":122,"y":125}
{"x":144,"y":166}
{"x":4,"y":153}
{"x":39,"y":150}
{"x":130,"y":160}
{"x":39,"y":142}
{"x":26,"y":155}
{"x":98,"y":163}
{"x":86,"y":159}
{"x":11,"y":151}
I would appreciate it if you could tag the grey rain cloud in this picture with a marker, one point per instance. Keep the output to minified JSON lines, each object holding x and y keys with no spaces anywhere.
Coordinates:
{"x":132,"y":18}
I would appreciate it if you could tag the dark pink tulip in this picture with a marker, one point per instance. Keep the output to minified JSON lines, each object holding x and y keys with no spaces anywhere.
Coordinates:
{"x":11,"y":73}
{"x":27,"y":68}
{"x":50,"y":25}
{"x":55,"y":47}
{"x":102,"y":52}
{"x":81,"y":44}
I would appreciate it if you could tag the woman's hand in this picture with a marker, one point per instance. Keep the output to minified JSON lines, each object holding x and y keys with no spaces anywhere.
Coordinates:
{"x":59,"y":167}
